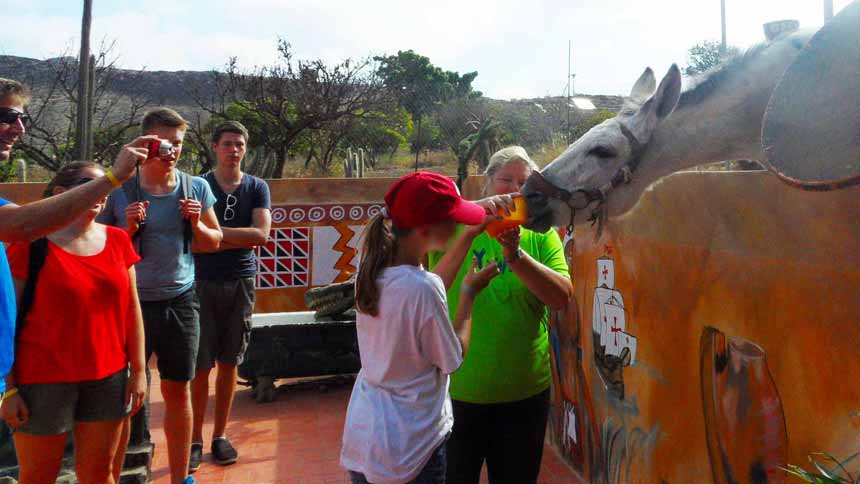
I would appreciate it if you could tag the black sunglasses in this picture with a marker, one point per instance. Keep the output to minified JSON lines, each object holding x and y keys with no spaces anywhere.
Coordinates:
{"x":81,"y":181}
{"x":11,"y":116}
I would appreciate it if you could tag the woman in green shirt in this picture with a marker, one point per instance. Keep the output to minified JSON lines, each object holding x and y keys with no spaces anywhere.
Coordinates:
{"x":501,"y":392}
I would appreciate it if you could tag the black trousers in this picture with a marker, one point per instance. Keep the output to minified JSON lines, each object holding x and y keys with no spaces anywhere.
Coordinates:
{"x":508,"y":436}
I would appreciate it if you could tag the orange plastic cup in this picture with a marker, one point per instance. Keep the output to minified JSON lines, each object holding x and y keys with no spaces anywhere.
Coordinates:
{"x":517,"y":217}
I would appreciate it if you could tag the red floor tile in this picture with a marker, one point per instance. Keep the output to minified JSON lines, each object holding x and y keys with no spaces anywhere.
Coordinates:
{"x":295,"y":439}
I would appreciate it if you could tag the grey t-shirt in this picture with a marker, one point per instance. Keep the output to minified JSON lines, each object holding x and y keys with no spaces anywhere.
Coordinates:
{"x":165,"y":271}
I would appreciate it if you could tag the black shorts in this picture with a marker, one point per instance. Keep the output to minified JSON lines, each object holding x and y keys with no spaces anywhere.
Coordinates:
{"x":172,"y":329}
{"x":55,"y":407}
{"x":225,"y":320}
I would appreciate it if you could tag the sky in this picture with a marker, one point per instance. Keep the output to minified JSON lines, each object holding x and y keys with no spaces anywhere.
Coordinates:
{"x":518,"y":47}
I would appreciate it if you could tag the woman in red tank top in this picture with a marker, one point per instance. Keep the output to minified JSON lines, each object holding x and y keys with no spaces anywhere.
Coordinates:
{"x":79,"y":356}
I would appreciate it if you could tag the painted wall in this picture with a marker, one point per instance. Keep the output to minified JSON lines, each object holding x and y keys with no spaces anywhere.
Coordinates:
{"x":716,"y":334}
{"x":713,"y":335}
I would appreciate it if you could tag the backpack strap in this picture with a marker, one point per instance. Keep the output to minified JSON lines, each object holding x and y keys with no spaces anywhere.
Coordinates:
{"x":37,"y":256}
{"x":185,"y":184}
{"x":131,"y":188}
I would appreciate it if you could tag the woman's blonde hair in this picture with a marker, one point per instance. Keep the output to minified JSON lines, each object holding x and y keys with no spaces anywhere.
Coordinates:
{"x":503,"y":158}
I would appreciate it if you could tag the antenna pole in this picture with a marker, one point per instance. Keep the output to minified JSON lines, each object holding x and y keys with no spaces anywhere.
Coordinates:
{"x":723,"y":15}
{"x":568,"y":91}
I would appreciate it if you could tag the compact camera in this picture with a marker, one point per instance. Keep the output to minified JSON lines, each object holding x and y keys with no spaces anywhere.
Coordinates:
{"x":160,"y":149}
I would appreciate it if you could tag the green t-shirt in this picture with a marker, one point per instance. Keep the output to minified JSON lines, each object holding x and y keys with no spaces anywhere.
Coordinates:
{"x":508,"y":357}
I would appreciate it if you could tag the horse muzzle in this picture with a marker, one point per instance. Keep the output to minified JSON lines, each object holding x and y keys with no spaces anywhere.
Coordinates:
{"x":540,"y":213}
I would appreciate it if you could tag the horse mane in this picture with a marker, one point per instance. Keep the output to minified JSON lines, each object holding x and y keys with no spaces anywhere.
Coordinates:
{"x":703,"y":85}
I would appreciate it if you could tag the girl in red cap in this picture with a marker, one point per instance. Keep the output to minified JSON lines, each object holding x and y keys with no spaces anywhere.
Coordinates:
{"x":399,"y":413}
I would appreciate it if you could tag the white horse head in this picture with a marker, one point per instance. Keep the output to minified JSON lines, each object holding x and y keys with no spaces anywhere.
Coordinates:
{"x":587,"y":171}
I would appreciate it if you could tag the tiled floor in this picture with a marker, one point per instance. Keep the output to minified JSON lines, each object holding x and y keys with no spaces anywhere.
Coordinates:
{"x":295,"y":439}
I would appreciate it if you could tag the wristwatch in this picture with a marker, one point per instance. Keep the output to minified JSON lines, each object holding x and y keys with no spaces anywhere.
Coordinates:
{"x":515,"y":256}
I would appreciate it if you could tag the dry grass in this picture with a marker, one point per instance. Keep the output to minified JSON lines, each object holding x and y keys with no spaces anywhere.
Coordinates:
{"x":401,"y":163}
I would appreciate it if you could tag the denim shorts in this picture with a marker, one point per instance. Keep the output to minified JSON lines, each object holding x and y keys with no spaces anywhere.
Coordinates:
{"x":55,"y":407}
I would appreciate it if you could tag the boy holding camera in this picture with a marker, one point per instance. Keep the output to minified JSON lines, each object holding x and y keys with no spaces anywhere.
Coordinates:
{"x":169,"y":214}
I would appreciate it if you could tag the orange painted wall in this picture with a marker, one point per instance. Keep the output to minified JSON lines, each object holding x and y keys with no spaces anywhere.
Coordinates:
{"x":753,"y":258}
{"x":739,"y":252}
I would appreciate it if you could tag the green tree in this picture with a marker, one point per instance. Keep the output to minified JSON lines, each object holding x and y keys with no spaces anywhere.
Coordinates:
{"x":420,"y":86}
{"x":382,"y":134}
{"x":295,"y":99}
{"x":427,"y":134}
{"x":459,"y":118}
{"x":706,"y":55}
{"x":478,"y":146}
{"x":8,"y":171}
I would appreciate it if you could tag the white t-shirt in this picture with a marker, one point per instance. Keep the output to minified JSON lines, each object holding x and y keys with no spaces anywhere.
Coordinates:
{"x":399,"y":411}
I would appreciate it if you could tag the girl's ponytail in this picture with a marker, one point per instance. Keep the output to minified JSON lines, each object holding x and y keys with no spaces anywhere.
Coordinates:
{"x":377,"y":253}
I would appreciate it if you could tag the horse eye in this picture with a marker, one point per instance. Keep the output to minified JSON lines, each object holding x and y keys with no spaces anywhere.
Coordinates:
{"x":602,"y":152}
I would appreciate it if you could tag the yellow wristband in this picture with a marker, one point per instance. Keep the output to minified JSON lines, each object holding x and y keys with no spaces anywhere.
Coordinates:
{"x":8,"y":393}
{"x":113,"y":179}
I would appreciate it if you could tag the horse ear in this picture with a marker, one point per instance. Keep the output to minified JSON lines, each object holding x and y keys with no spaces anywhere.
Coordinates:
{"x":663,"y":102}
{"x":644,"y":87}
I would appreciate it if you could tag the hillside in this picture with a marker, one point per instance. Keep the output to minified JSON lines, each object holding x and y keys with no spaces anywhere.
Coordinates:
{"x":161,"y":87}
{"x":131,"y":92}
{"x":172,"y":87}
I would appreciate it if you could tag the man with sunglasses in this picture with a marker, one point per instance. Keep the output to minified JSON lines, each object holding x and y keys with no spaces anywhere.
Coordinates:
{"x":225,"y":286}
{"x":22,"y":223}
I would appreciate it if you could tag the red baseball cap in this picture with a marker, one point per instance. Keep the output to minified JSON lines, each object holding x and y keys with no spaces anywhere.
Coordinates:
{"x":424,"y":198}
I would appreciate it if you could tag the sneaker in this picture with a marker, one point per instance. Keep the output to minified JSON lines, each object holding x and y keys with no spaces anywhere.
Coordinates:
{"x":196,"y":457}
{"x":188,"y":480}
{"x":223,"y":451}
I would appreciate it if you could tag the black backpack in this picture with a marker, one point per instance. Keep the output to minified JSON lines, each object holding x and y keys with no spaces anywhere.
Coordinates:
{"x":38,"y":254}
{"x":131,"y":188}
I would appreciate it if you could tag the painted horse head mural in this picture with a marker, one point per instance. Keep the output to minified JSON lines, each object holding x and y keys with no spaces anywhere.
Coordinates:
{"x":789,"y":103}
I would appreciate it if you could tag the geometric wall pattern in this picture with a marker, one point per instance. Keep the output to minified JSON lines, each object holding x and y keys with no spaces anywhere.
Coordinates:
{"x":284,"y":261}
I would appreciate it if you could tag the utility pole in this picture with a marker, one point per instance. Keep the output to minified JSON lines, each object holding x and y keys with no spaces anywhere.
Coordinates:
{"x":828,"y":10}
{"x":83,"y":150}
{"x":91,"y":108}
{"x":723,"y":15}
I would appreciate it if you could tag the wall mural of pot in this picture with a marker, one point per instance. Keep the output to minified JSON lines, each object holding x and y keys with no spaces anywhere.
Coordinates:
{"x":744,"y":420}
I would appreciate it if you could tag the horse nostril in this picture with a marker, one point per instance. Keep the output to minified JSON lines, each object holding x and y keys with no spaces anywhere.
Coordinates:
{"x":536,"y":201}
